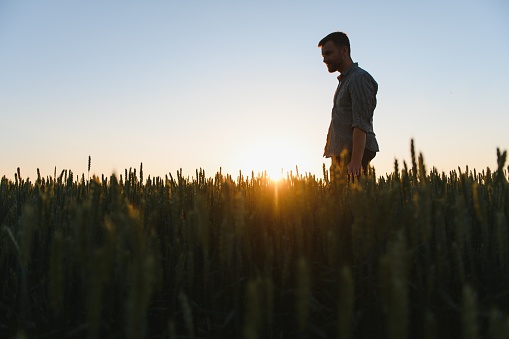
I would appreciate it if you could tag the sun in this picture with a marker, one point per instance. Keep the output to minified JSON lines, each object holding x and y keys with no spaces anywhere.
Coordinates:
{"x":276,"y":174}
{"x":274,"y":156}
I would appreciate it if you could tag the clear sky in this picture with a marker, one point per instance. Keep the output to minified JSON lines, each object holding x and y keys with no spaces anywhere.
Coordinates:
{"x":241,"y":84}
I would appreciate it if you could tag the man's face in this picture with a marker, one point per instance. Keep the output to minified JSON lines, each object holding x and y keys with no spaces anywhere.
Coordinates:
{"x":333,"y":56}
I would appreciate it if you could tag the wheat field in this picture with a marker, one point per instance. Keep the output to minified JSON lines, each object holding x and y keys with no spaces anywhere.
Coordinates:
{"x":413,"y":254}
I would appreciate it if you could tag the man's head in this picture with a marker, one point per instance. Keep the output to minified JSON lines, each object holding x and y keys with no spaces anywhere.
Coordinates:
{"x":336,"y":51}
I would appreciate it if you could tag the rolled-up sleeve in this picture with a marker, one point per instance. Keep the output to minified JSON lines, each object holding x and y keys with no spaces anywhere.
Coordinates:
{"x":363,"y":91}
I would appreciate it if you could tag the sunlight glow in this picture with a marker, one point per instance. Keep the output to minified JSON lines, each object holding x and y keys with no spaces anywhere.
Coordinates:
{"x":274,"y":156}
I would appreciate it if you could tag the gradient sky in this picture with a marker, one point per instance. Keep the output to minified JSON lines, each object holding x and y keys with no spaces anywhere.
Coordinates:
{"x":241,"y":85}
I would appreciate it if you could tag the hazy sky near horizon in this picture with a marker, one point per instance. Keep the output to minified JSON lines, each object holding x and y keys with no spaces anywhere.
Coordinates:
{"x":241,"y":85}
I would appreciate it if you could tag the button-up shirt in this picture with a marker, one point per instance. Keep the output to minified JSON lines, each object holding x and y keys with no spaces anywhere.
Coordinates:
{"x":354,"y":105}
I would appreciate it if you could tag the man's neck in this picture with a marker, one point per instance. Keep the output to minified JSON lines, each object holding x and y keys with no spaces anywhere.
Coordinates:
{"x":345,"y":65}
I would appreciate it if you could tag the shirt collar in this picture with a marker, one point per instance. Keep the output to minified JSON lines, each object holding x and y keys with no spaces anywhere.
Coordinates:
{"x":348,"y":70}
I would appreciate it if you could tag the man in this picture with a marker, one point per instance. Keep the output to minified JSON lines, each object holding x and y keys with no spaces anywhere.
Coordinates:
{"x":351,"y":126}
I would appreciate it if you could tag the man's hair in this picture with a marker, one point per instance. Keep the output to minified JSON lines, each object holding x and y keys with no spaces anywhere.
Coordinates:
{"x":339,"y":38}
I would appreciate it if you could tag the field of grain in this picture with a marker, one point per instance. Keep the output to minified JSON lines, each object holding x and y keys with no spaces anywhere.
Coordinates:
{"x":414,"y":254}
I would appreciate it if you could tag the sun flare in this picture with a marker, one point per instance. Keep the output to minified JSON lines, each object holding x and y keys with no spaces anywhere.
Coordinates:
{"x":273,"y":156}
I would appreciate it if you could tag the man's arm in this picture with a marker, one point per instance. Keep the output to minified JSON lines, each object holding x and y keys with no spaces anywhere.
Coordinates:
{"x":359,"y":143}
{"x":363,"y":92}
{"x":327,"y":143}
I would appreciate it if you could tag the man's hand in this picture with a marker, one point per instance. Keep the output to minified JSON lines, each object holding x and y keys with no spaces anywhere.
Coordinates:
{"x":354,"y":168}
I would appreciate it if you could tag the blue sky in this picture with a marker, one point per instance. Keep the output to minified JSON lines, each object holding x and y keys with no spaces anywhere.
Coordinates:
{"x":241,"y":85}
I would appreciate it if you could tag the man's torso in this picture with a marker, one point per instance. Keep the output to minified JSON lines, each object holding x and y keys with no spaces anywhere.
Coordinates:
{"x":354,"y":104}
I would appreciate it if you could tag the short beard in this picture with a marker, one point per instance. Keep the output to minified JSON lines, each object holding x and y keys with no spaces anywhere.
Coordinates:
{"x":332,"y":70}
